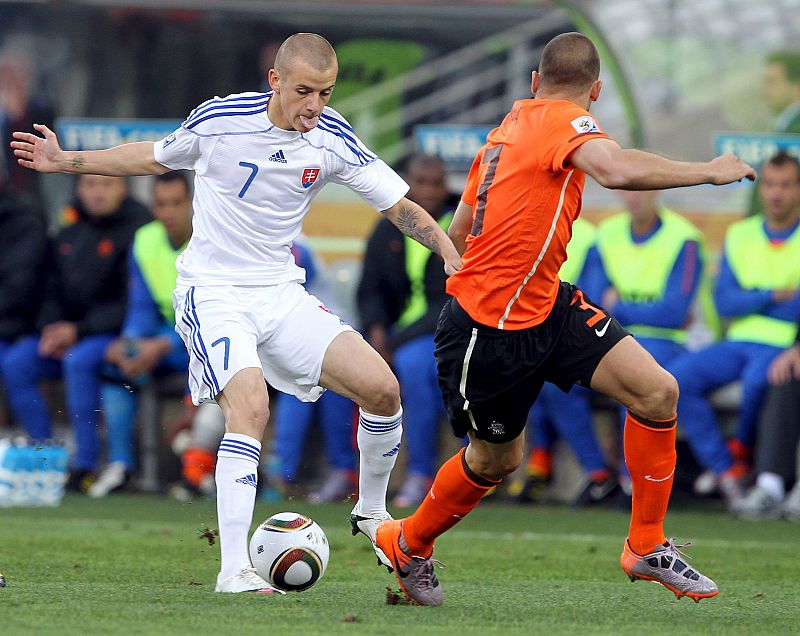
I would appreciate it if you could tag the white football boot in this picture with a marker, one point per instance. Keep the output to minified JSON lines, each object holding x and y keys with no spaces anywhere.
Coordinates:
{"x":245,"y":580}
{"x":368,"y":526}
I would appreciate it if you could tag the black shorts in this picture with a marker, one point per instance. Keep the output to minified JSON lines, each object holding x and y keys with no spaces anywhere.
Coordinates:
{"x":490,"y":378}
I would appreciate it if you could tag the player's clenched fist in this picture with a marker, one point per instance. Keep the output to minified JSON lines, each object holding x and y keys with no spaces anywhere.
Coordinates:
{"x":729,"y":168}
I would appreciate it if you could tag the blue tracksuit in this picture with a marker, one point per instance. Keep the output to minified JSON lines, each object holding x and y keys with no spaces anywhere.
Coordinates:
{"x":24,"y":368}
{"x":142,"y":320}
{"x":85,"y":286}
{"x":700,"y":373}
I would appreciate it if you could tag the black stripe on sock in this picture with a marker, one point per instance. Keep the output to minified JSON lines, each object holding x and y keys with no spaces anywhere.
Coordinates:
{"x":653,"y":423}
{"x":480,"y":481}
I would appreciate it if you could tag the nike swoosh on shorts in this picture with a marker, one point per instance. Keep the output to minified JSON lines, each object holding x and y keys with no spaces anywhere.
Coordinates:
{"x":602,"y":332}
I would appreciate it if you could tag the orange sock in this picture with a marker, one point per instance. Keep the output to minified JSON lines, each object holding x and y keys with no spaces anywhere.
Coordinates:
{"x":197,"y":463}
{"x":456,"y":490}
{"x":540,"y":462}
{"x":650,"y":457}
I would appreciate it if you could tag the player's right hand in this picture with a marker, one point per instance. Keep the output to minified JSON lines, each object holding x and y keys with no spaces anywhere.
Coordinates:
{"x":37,"y":153}
{"x":728,"y":168}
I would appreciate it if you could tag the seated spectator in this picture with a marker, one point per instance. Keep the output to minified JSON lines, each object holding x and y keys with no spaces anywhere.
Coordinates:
{"x":777,"y":445}
{"x":23,"y":245}
{"x":568,"y":415}
{"x":400,"y":296}
{"x":757,"y":290}
{"x":83,"y":308}
{"x":334,"y":413}
{"x":653,"y":263}
{"x":652,"y":268}
{"x":148,"y":344}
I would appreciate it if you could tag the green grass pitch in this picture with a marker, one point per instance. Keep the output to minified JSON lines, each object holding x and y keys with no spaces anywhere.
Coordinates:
{"x":136,"y":565}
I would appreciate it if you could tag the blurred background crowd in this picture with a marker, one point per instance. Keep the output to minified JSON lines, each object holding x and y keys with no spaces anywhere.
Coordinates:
{"x":708,"y":280}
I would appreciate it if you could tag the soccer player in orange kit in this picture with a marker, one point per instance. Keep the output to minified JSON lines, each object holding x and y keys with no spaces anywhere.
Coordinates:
{"x":511,"y":324}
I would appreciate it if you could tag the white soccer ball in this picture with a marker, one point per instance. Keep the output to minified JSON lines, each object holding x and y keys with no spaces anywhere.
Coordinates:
{"x":290,"y":551}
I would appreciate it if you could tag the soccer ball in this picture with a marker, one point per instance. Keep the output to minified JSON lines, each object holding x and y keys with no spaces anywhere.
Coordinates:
{"x":290,"y":551}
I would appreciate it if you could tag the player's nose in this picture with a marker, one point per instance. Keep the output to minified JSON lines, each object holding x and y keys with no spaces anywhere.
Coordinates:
{"x":314,"y":104}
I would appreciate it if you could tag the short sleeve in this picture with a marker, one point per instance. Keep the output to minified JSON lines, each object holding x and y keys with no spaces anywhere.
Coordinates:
{"x":376,"y":183}
{"x":180,"y":150}
{"x":470,"y":194}
{"x":570,"y":128}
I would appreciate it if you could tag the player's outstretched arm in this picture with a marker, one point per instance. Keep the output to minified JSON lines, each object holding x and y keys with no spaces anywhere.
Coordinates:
{"x":44,"y":154}
{"x":412,"y":220}
{"x":627,"y":169}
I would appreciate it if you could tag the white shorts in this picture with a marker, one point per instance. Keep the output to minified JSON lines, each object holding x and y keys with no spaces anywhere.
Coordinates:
{"x":281,"y":329}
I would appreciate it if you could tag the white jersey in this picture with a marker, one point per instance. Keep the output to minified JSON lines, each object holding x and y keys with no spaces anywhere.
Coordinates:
{"x":254,"y":185}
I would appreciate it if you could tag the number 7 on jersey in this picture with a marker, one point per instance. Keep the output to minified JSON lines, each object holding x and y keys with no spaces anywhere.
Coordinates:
{"x":253,"y":172}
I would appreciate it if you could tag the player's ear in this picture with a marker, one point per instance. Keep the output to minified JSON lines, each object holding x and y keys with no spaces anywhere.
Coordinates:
{"x":594,"y":92}
{"x":536,"y":78}
{"x":273,"y":78}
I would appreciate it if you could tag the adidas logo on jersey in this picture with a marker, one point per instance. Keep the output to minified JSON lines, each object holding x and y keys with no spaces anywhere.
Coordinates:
{"x":249,"y":480}
{"x":279,"y":157}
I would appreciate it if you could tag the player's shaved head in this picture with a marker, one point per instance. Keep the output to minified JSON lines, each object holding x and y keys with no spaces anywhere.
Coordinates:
{"x":569,"y":60}
{"x":310,"y":48}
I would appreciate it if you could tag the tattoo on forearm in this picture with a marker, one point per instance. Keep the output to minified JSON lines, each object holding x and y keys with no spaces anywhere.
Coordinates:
{"x":408,"y":223}
{"x":78,"y":162}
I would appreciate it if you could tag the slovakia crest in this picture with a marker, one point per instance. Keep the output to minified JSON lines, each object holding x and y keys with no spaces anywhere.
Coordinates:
{"x":309,"y":177}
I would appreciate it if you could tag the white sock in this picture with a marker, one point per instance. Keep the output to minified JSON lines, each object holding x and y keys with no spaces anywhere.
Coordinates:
{"x":773,"y":484}
{"x":378,"y":445}
{"x":237,"y":477}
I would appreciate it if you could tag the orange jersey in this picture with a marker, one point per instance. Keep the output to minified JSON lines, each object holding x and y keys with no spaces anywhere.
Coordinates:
{"x":525,"y":195}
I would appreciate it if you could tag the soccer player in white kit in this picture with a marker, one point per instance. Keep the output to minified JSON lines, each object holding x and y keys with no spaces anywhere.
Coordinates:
{"x":259,"y":160}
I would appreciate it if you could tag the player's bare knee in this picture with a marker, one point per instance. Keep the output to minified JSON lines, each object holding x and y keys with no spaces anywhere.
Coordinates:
{"x":495,"y":467}
{"x":383,"y":398}
{"x":507,"y":465}
{"x":249,"y":416}
{"x":662,"y":400}
{"x":497,"y":471}
{"x":257,"y":415}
